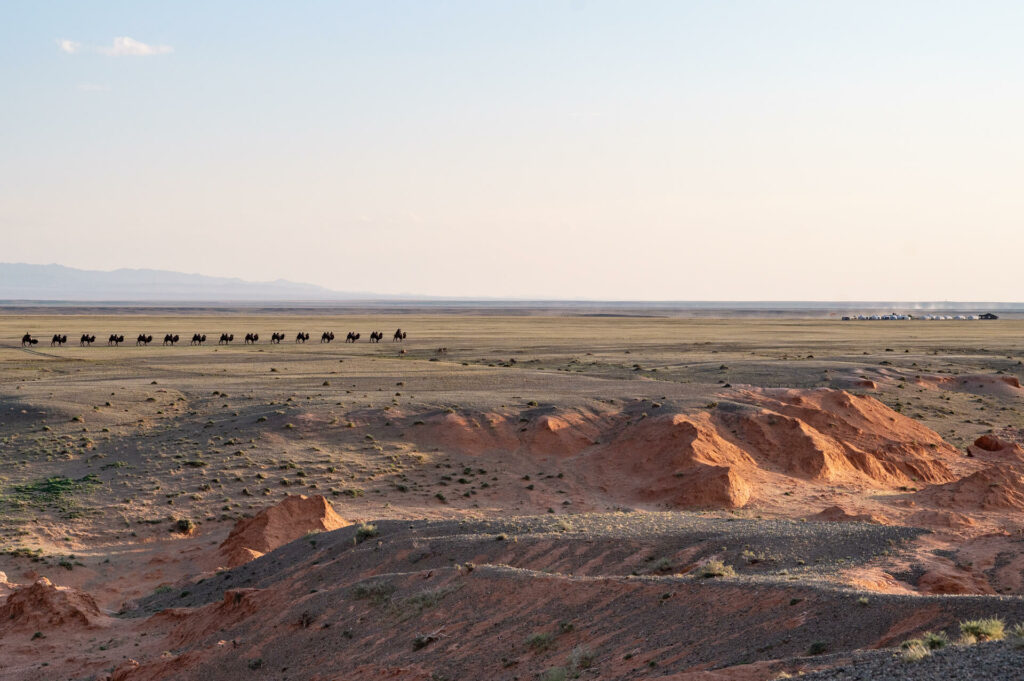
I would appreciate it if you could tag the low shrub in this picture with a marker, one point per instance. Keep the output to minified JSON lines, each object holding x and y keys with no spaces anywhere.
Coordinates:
{"x":817,"y":648}
{"x":934,"y":640}
{"x":716,"y":568}
{"x":365,"y":531}
{"x":915,"y":652}
{"x":989,"y":629}
{"x":540,"y":641}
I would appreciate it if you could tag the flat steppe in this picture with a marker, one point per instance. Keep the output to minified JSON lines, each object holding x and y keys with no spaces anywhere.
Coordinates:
{"x":516,"y":497}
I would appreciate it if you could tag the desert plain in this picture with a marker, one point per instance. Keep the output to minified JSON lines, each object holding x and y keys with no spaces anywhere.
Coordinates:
{"x":513,"y":498}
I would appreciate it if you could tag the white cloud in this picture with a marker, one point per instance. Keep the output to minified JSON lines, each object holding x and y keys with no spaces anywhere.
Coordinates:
{"x":124,"y":46}
{"x":93,"y":87}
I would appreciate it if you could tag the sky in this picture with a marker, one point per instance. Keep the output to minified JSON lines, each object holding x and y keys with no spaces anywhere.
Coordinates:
{"x":578,"y":149}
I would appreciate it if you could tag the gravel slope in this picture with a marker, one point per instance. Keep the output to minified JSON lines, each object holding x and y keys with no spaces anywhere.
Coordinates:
{"x":1000,"y":661}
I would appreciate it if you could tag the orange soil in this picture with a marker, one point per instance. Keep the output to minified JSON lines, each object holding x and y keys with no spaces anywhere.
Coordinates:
{"x":756,"y":442}
{"x":718,"y":458}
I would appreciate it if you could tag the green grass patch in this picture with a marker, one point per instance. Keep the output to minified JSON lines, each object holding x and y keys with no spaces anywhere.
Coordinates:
{"x":57,"y":491}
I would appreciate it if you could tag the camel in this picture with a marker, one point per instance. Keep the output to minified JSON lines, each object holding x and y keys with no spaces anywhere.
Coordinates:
{"x":276,"y":337}
{"x":252,"y":338}
{"x":87,"y":339}
{"x":143,"y":339}
{"x":352,"y":337}
{"x":27,"y":339}
{"x":197,"y":339}
{"x":115,"y":340}
{"x":58,"y":340}
{"x":170,"y":339}
{"x":376,"y":336}
{"x":326,"y":336}
{"x":399,"y":336}
{"x":301,"y":337}
{"x":226,"y":338}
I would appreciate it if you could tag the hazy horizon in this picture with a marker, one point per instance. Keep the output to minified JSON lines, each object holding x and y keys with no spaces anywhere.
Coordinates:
{"x":56,"y":284}
{"x":585,"y":149}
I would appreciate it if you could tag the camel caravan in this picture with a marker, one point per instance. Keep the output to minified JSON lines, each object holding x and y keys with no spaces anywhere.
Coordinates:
{"x":143,"y":339}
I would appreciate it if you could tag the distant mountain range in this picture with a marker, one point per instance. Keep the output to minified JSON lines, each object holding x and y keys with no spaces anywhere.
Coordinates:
{"x":58,"y":283}
{"x":22,"y":284}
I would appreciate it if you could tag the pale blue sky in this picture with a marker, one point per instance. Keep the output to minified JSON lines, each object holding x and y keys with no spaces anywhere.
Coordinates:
{"x":581,"y":149}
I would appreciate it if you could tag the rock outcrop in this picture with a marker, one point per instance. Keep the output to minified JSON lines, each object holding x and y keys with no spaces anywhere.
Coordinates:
{"x":278,"y":525}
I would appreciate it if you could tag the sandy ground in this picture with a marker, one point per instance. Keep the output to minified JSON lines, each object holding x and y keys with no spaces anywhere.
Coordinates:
{"x":127,"y":467}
